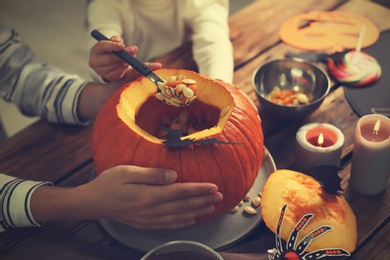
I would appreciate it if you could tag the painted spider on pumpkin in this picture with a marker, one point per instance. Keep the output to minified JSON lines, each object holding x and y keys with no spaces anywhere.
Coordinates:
{"x":292,"y":252}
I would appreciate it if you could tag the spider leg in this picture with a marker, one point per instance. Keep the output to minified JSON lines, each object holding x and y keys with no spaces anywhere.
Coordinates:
{"x":298,"y":227}
{"x":275,"y":254}
{"x":313,"y":235}
{"x":277,"y":233}
{"x":318,"y":254}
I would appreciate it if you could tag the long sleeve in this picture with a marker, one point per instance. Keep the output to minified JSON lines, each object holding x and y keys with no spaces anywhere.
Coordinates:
{"x":15,"y":196}
{"x":35,"y":87}
{"x":158,"y":27}
{"x":212,"y":48}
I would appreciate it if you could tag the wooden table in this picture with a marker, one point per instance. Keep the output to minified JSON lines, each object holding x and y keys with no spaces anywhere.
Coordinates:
{"x":62,"y":154}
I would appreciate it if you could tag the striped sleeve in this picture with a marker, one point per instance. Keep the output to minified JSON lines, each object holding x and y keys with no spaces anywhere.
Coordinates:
{"x":35,"y":87}
{"x":15,"y":198}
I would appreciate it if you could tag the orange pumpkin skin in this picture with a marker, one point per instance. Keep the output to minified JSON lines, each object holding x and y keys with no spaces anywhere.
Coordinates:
{"x":232,"y":167}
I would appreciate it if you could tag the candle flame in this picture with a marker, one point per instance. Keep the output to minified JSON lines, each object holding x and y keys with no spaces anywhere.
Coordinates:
{"x":377,"y":126}
{"x":320,"y":139}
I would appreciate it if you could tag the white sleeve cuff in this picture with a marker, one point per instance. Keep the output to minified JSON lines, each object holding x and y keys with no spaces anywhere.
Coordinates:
{"x":15,"y":202}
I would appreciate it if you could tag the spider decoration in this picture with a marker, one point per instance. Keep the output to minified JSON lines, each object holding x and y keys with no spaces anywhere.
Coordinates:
{"x":292,"y":252}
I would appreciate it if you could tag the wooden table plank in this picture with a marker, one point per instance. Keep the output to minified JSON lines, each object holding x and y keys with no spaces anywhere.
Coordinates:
{"x":62,"y":153}
{"x":253,"y":32}
{"x":377,"y":248}
{"x":43,"y":146}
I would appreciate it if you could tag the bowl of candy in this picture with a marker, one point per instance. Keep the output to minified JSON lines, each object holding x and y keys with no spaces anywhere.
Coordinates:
{"x":290,"y":88}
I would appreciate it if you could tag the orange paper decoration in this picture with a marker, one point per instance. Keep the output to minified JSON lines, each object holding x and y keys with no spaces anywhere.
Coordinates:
{"x":330,"y":31}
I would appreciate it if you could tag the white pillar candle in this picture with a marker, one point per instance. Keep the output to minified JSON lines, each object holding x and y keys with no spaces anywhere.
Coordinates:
{"x":318,"y":144}
{"x":371,"y":154}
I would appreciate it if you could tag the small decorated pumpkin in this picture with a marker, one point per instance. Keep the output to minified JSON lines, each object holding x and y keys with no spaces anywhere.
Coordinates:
{"x":304,"y":195}
{"x":127,"y":131}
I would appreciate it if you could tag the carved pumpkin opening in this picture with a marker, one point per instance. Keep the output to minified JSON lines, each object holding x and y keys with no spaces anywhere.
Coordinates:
{"x":199,"y":117}
{"x":143,"y":112}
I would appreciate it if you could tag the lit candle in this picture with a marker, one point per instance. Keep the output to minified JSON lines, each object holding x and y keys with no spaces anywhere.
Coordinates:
{"x":320,"y":140}
{"x":318,"y":144}
{"x":371,"y":154}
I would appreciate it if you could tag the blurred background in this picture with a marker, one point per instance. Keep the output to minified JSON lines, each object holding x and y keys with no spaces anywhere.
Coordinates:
{"x":55,"y":31}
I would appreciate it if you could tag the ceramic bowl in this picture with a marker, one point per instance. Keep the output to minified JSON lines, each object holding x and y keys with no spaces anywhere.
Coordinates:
{"x":182,"y":249}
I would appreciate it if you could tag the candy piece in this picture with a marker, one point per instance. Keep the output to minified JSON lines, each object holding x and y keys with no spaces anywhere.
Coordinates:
{"x":355,"y":68}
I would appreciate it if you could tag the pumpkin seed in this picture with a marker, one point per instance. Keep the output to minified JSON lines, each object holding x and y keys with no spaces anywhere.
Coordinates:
{"x":235,"y":209}
{"x":171,"y":78}
{"x":161,"y":85}
{"x":189,"y":81}
{"x":191,"y":100}
{"x":302,"y":98}
{"x":173,"y":92}
{"x":250,"y":210}
{"x":160,"y":96}
{"x":224,"y":111}
{"x":173,"y":102}
{"x":180,"y":87}
{"x":247,"y":197}
{"x":164,"y":92}
{"x":187,"y":92}
{"x":256,"y":202}
{"x":176,"y":100}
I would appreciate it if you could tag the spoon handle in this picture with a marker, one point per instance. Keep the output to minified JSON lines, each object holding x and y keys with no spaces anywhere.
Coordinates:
{"x":135,"y":63}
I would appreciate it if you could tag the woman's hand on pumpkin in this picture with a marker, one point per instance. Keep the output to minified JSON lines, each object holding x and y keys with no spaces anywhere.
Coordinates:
{"x":109,"y":66}
{"x":148,"y":198}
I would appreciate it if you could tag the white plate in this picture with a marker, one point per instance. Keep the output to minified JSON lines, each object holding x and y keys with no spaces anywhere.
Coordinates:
{"x":219,"y":233}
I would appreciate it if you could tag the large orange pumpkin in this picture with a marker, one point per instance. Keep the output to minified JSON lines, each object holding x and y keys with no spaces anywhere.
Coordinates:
{"x":126,"y":127}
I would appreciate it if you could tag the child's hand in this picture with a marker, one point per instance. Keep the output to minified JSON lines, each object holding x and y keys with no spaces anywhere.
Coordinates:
{"x":107,"y":64}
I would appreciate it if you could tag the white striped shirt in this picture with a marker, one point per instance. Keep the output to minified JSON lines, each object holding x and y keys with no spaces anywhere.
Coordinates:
{"x":15,"y":197}
{"x":38,"y":90}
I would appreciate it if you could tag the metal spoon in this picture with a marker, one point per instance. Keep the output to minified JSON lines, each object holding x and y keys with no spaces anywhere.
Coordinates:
{"x":141,"y":68}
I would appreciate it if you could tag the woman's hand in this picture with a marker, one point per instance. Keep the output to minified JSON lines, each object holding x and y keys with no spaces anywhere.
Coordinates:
{"x":144,"y":198}
{"x":148,"y":198}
